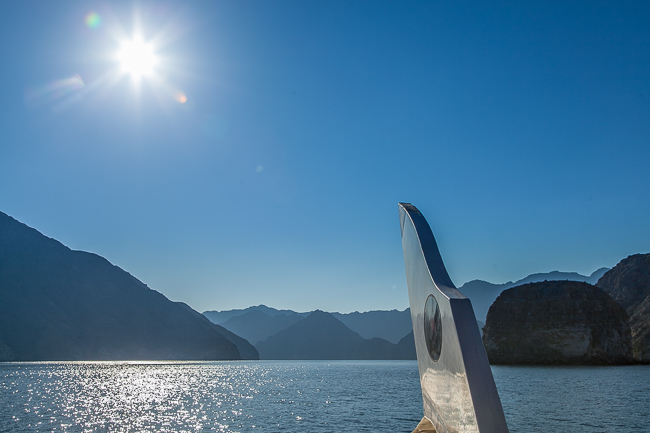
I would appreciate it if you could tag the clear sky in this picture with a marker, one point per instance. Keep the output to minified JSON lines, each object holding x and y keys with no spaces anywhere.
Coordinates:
{"x":258,"y":151}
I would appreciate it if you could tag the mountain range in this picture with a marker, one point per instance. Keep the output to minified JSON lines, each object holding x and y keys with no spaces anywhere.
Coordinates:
{"x":320,"y":335}
{"x":286,"y":334}
{"x":265,"y":327}
{"x":260,"y":322}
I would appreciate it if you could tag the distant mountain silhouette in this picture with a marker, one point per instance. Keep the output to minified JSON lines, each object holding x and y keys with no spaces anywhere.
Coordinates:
{"x":59,"y":304}
{"x":256,"y":325}
{"x":322,"y":336}
{"x":220,"y":317}
{"x":406,"y":347}
{"x":246,"y":349}
{"x":390,"y":325}
{"x":482,"y":293}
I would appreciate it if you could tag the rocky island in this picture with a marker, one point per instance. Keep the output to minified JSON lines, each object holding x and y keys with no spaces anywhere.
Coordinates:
{"x":557,"y":322}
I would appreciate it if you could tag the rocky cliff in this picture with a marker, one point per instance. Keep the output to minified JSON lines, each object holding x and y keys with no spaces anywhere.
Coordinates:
{"x":629,"y":284}
{"x":557,"y":322}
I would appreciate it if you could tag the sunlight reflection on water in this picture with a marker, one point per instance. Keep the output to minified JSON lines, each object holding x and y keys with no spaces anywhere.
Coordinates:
{"x":219,"y":396}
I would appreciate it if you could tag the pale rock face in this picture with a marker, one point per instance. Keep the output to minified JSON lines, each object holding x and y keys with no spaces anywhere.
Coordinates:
{"x":557,"y":322}
{"x":640,"y":323}
{"x":629,"y":284}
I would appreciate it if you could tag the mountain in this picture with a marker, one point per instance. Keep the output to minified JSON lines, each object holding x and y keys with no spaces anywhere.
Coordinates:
{"x":59,"y":304}
{"x":629,"y":284}
{"x":406,"y":347}
{"x":322,"y":336}
{"x":220,"y":317}
{"x":482,"y":294}
{"x":246,"y":349}
{"x":390,"y":325}
{"x":557,"y":322}
{"x":256,"y":325}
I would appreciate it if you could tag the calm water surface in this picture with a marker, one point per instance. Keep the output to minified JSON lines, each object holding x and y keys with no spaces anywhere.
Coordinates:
{"x":575,"y":399}
{"x":310,"y":396}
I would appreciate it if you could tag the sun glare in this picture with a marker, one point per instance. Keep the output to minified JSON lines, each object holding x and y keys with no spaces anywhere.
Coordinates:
{"x":137,"y":58}
{"x":146,"y":59}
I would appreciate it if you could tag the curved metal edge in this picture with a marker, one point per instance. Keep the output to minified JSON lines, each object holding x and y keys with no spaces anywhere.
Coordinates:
{"x":430,"y":251}
{"x":459,"y":393}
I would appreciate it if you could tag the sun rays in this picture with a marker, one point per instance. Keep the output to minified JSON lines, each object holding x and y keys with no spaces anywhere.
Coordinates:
{"x":141,"y":53}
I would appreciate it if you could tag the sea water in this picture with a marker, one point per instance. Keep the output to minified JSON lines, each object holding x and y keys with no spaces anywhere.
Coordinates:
{"x":301,"y":396}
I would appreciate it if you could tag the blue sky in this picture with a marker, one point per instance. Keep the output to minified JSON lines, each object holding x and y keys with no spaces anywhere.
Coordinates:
{"x":521,"y":131}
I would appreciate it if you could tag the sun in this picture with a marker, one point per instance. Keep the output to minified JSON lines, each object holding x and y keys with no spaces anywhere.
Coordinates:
{"x":137,"y":58}
{"x":145,"y":57}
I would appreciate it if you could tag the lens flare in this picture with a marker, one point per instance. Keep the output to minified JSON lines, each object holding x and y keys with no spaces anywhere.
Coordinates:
{"x":93,"y":20}
{"x":181,"y":98}
{"x":38,"y":96}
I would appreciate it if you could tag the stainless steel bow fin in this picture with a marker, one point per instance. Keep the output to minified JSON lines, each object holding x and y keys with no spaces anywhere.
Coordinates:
{"x":458,"y":390}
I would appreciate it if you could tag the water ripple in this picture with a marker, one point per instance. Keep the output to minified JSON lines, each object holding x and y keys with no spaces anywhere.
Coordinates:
{"x":311,"y":396}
